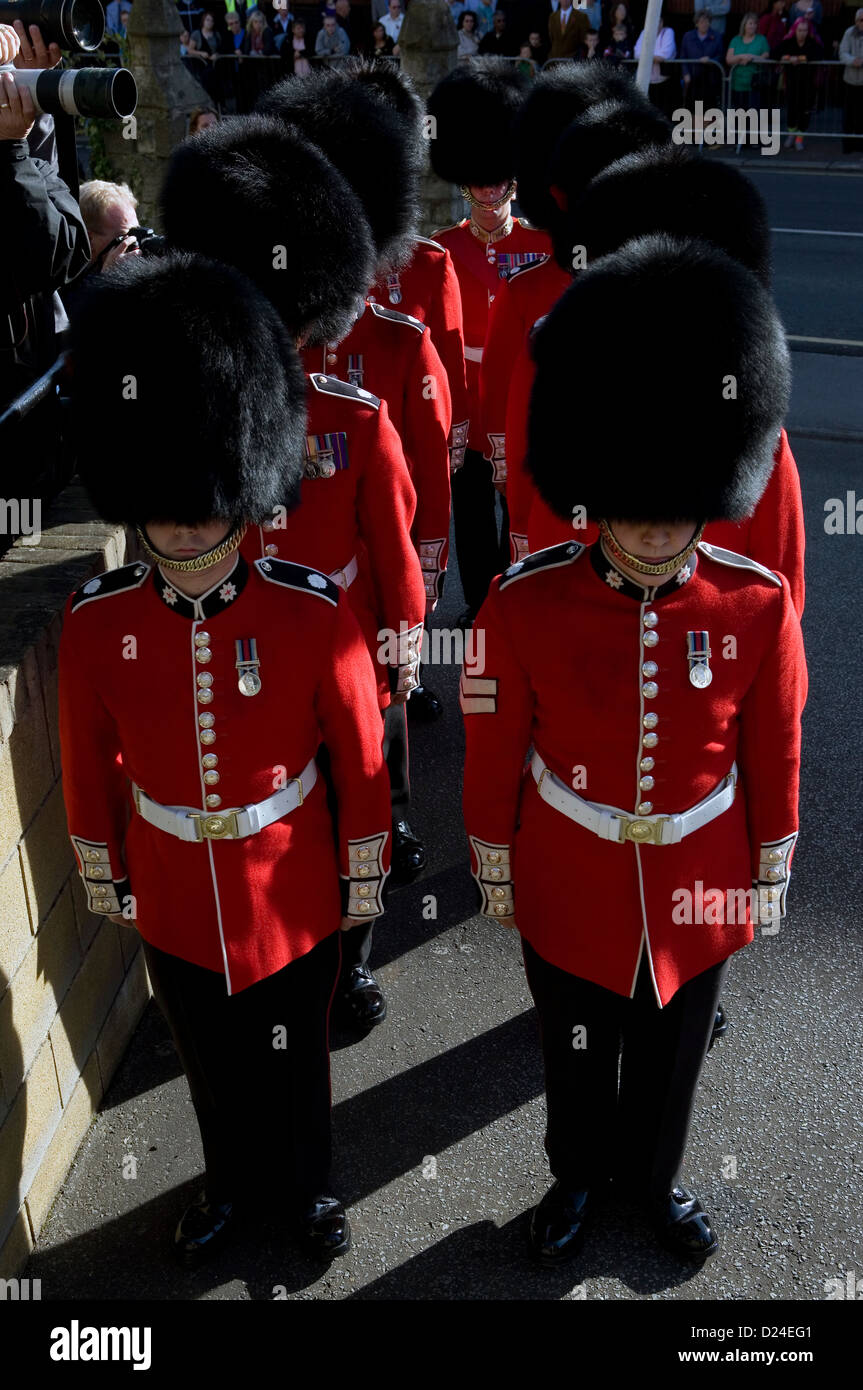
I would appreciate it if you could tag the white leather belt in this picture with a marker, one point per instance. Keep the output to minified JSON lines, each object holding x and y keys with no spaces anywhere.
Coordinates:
{"x":187,"y":823}
{"x":473,"y":354}
{"x":609,"y":823}
{"x":345,"y":578}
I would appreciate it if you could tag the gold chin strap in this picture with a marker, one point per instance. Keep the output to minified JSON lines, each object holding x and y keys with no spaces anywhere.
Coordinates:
{"x":489,"y":207}
{"x":197,"y":562}
{"x":644,"y":566}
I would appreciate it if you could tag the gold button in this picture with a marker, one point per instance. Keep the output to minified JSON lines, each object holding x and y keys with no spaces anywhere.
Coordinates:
{"x":211,"y":778}
{"x":99,"y":890}
{"x":646,"y":784}
{"x":208,"y":736}
{"x":644,"y":808}
{"x":775,"y":856}
{"x":498,"y":892}
{"x":650,"y":740}
{"x":363,"y":853}
{"x":202,"y":639}
{"x":209,"y":760}
{"x":93,"y":855}
{"x":96,"y":873}
{"x":772,"y":875}
{"x":650,"y":619}
{"x":205,"y":697}
{"x":364,"y":907}
{"x":101,"y":907}
{"x":500,"y":909}
{"x":650,"y":690}
{"x":647,"y":764}
{"x":363,"y":871}
{"x":213,"y":799}
{"x":331,"y":359}
{"x":495,"y":873}
{"x":649,"y":668}
{"x":203,"y":654}
{"x":268,"y":526}
{"x":204,"y":678}
{"x":271,"y":550}
{"x":364,"y":890}
{"x":206,"y":720}
{"x":494,"y":857}
{"x":650,"y":721}
{"x":650,"y":639}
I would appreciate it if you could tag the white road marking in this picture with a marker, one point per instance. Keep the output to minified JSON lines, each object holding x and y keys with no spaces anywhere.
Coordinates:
{"x":811,"y":231}
{"x":836,"y":342}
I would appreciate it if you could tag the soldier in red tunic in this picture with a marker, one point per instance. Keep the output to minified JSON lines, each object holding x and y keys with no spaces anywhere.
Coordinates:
{"x":474,"y":110}
{"x":312,"y":254}
{"x":194,"y":694}
{"x":659,"y":682}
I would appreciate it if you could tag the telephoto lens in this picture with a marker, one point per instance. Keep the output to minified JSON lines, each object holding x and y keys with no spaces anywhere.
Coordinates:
{"x":107,"y":92}
{"x":76,"y":25}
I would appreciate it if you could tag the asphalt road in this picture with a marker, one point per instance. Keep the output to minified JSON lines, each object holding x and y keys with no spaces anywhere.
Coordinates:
{"x":439,"y":1113}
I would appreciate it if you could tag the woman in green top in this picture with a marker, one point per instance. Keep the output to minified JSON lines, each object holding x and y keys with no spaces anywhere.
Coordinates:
{"x":746,"y":48}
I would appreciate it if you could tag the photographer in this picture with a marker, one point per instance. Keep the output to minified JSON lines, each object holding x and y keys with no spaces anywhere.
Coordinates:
{"x":108,"y":210}
{"x":43,"y":239}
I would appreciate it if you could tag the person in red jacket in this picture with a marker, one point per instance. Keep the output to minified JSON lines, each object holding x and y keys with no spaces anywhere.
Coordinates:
{"x":620,"y":120}
{"x":357,"y":501}
{"x":194,"y":694}
{"x":473,"y":110}
{"x":656,"y":683}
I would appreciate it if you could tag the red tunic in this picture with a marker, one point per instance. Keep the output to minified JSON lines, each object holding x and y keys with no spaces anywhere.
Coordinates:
{"x":590,"y":905}
{"x":480,"y":269}
{"x":427,"y":289}
{"x":392,"y":354}
{"x":774,"y":535}
{"x":526,"y":294}
{"x":134,"y":691}
{"x":357,"y":503}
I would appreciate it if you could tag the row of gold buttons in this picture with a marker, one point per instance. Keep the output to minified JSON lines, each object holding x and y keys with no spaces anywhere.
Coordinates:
{"x":204,"y":679}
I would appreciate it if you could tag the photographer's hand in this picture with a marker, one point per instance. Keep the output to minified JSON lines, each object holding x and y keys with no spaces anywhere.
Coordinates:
{"x":33,"y":53}
{"x":10,"y":43}
{"x":17,"y":112}
{"x":128,"y":247}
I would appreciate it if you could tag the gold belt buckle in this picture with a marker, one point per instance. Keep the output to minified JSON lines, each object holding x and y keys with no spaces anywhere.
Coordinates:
{"x":643,"y":832}
{"x":299,"y":782}
{"x":216,"y":827}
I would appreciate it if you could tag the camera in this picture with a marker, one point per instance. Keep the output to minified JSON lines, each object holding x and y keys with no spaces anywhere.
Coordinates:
{"x":149,"y":242}
{"x":78,"y":25}
{"x":107,"y":92}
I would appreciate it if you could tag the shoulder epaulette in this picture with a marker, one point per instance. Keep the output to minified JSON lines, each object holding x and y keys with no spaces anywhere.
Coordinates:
{"x":528,"y":226}
{"x":332,"y":386}
{"x":380,"y":312}
{"x":111,"y":582}
{"x":427,"y":241}
{"x":523,"y":269}
{"x":454,"y":228}
{"x":293,"y":576}
{"x":731,"y":557}
{"x":551,"y":558}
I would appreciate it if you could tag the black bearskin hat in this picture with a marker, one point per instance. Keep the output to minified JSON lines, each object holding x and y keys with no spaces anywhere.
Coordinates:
{"x":673,"y":191}
{"x":560,"y":96}
{"x":368,"y":122}
{"x":258,"y":196}
{"x":685,"y":425}
{"x":474,"y":110}
{"x":153,"y":329}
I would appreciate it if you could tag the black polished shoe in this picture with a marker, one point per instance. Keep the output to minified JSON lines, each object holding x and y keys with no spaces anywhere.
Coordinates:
{"x":557,"y":1225}
{"x":683,"y":1226}
{"x":324,"y":1228}
{"x":409,"y":855}
{"x":202,"y":1230}
{"x":424,"y":707}
{"x":361,"y":1002}
{"x":720,"y":1027}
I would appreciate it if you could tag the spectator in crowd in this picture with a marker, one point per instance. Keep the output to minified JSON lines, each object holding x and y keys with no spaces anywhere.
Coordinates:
{"x":567,"y":29}
{"x":538,"y":48}
{"x":108,"y":210}
{"x":702,"y":80}
{"x":812,"y":10}
{"x":499,"y":42}
{"x":258,"y":41}
{"x":207,"y":40}
{"x":617,"y":15}
{"x":112,"y":15}
{"x":851,"y":56}
{"x":484,"y":11}
{"x":718,"y":14}
{"x":796,"y":52}
{"x":468,"y":35}
{"x":526,"y":65}
{"x":294,"y":52}
{"x":332,"y":41}
{"x":591,"y":40}
{"x":382,"y":44}
{"x":201,"y":120}
{"x":774,"y":24}
{"x":184,"y":43}
{"x":663,"y":89}
{"x":393,"y":21}
{"x":620,"y":46}
{"x":281,"y":26}
{"x":355,"y":25}
{"x":205,"y":45}
{"x":593,"y":10}
{"x":747,"y":48}
{"x":456,"y":9}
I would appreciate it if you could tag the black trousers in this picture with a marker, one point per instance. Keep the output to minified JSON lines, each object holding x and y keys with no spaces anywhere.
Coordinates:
{"x":482,"y":552}
{"x":263,"y":1110}
{"x":632,"y":1126}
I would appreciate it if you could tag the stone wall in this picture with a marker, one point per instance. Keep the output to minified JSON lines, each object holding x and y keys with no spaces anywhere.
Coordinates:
{"x":72,"y":986}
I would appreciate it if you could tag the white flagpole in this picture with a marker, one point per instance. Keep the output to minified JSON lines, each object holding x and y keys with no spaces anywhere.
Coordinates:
{"x":648,"y":43}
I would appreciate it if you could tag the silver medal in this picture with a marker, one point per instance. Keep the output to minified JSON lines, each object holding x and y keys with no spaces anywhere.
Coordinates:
{"x":700,"y":676}
{"x":249,"y":683}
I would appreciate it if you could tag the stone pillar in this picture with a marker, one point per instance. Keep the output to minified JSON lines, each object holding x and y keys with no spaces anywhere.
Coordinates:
{"x":139,"y":149}
{"x":428,"y":42}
